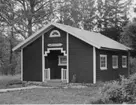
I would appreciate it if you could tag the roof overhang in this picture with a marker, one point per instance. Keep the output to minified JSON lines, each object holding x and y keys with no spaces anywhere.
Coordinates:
{"x":41,"y":32}
{"x":32,"y":38}
{"x":112,"y":49}
{"x":50,"y":26}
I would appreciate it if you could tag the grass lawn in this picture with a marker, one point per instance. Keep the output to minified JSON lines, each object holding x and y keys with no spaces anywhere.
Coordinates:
{"x":48,"y":95}
{"x":6,"y":81}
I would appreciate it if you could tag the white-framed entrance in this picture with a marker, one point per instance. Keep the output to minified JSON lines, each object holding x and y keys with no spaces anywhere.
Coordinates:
{"x":47,"y":70}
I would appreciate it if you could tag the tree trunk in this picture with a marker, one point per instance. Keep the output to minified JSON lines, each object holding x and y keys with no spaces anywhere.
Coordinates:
{"x":30,"y":27}
{"x":11,"y":54}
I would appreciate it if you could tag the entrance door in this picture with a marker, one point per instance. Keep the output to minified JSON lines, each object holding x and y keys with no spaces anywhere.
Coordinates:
{"x":55,"y":71}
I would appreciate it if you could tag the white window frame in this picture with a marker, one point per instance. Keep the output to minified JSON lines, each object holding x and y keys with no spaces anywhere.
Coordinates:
{"x":55,"y":35}
{"x":60,"y":62}
{"x":124,"y":66}
{"x":113,"y":58}
{"x":103,"y":68}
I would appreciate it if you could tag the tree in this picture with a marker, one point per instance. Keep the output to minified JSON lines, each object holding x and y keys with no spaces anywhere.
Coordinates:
{"x":111,"y":15}
{"x":7,"y":31}
{"x":76,"y":12}
{"x":27,"y":15}
{"x":128,"y":36}
{"x":32,"y":15}
{"x":18,"y":20}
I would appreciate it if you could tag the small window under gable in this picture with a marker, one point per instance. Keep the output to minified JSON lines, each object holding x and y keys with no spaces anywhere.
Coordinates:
{"x":103,"y":62}
{"x":124,"y":61}
{"x":115,"y":61}
{"x":55,"y":33}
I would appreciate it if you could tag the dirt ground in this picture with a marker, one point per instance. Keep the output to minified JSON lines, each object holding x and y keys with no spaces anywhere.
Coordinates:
{"x":48,"y":96}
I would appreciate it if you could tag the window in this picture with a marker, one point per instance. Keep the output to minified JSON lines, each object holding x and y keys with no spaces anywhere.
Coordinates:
{"x":124,"y":61}
{"x":115,"y":61}
{"x":62,"y":60}
{"x":55,"y":33}
{"x":103,"y":62}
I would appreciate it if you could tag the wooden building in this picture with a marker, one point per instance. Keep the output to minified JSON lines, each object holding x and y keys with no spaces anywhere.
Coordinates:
{"x":64,"y":53}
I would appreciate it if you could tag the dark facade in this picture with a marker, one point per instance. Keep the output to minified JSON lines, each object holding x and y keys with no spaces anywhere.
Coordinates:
{"x":51,"y":61}
{"x":110,"y":73}
{"x":61,"y":39}
{"x":80,"y":60}
{"x":32,"y":61}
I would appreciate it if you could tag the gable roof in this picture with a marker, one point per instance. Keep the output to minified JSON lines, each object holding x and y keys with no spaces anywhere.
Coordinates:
{"x":95,"y":39}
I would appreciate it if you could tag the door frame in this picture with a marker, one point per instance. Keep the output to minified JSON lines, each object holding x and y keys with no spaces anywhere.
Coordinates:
{"x":46,"y":54}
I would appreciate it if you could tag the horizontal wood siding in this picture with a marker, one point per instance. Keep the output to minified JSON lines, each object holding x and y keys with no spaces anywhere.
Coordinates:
{"x":54,"y":40}
{"x":110,"y":73}
{"x":32,"y":61}
{"x":80,"y":60}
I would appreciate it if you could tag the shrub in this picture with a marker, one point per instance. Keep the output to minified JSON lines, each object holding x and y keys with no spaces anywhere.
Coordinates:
{"x":74,"y":78}
{"x":123,"y":91}
{"x":132,"y":65}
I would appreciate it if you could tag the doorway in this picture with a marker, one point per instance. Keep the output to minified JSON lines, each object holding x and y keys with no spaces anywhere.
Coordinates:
{"x":52,"y":62}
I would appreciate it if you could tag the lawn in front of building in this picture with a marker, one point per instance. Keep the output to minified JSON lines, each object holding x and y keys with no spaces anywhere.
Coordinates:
{"x":72,"y":94}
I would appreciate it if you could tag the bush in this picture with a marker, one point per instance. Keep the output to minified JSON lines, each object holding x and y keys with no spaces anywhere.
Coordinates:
{"x":74,"y":79}
{"x":132,"y":65}
{"x":118,"y":92}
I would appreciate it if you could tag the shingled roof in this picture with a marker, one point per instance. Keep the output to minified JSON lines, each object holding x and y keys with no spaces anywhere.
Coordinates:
{"x":95,"y":39}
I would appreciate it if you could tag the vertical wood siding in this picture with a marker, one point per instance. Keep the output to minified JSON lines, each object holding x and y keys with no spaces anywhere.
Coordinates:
{"x":52,"y":40}
{"x":110,"y":73}
{"x":80,"y":60}
{"x":32,"y":61}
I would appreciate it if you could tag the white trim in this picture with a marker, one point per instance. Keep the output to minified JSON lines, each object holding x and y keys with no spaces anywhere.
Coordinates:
{"x":94,"y":65}
{"x":60,"y":26}
{"x":113,"y":57}
{"x":21,"y":64}
{"x":49,"y":49}
{"x":48,"y":74}
{"x":60,"y":63}
{"x":43,"y":64}
{"x":103,"y":68}
{"x":56,"y":35}
{"x":62,"y":74}
{"x":124,"y":66}
{"x":67,"y":58}
{"x":34,"y":37}
{"x":54,"y":45}
{"x":45,"y":29}
{"x":62,"y":51}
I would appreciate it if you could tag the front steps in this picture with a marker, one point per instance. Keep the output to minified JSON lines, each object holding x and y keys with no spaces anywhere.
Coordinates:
{"x":55,"y":83}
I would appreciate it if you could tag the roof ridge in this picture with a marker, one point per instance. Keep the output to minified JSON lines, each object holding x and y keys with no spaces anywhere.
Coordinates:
{"x":87,"y":36}
{"x":94,"y":32}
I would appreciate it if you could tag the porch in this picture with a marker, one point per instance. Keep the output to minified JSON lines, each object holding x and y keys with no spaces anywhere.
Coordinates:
{"x":55,"y":69}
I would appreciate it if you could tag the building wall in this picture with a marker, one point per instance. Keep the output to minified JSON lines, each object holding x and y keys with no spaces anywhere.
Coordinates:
{"x":32,"y":61}
{"x":110,"y":73}
{"x":55,"y":40}
{"x":80,"y":60}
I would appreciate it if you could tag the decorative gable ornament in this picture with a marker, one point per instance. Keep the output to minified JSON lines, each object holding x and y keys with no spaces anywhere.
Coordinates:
{"x":55,"y":33}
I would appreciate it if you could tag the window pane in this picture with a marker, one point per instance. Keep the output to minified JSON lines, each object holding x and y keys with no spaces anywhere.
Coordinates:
{"x":62,"y":60}
{"x":103,"y":62}
{"x":124,"y":61}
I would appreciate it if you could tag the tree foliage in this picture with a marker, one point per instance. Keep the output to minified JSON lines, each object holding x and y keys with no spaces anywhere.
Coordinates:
{"x":76,"y":12}
{"x":129,"y":35}
{"x":111,"y":16}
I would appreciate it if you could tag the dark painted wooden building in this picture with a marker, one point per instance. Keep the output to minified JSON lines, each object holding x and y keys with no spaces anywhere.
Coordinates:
{"x":64,"y":53}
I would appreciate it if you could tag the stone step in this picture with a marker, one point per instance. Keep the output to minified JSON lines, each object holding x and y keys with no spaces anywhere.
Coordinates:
{"x":55,"y":83}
